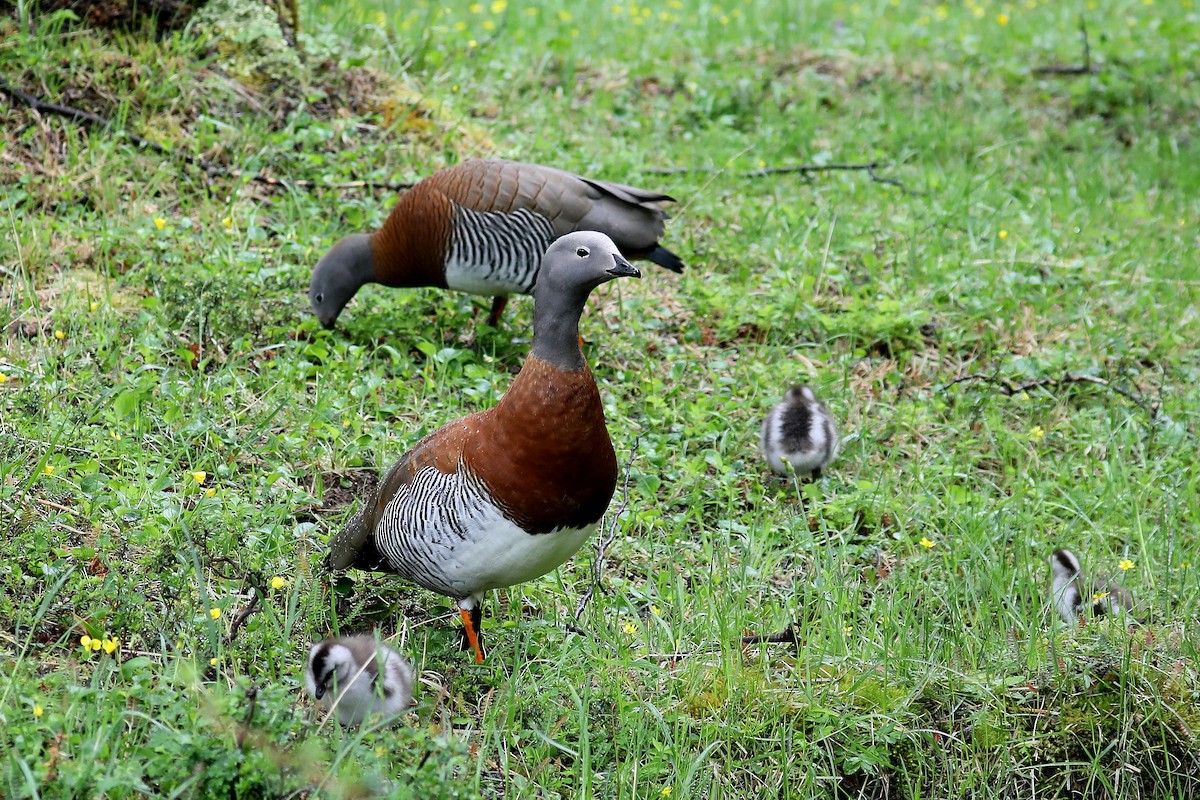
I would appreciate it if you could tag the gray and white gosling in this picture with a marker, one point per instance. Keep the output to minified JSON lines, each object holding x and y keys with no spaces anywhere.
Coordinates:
{"x":357,"y":677}
{"x":1073,"y":594}
{"x":799,"y":435}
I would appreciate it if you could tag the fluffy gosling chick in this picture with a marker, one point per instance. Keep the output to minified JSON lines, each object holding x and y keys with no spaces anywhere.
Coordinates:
{"x":1073,"y":594}
{"x":798,"y":433}
{"x":358,"y":676}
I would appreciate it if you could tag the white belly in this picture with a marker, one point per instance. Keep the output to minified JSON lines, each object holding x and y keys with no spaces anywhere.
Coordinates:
{"x":444,"y":533}
{"x":505,"y":555}
{"x":473,"y":279}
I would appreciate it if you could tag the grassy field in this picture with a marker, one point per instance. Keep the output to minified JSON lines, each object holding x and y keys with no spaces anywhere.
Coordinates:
{"x":178,"y":436}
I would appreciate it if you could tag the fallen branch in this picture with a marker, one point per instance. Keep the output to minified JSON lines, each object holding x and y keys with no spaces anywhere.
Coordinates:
{"x":86,"y":118}
{"x":598,"y":565}
{"x":244,"y":614}
{"x":90,"y":120}
{"x":868,"y":167}
{"x":1009,"y":390}
{"x":1086,"y":68}
{"x":786,"y":636}
{"x":1066,"y":69}
{"x":56,"y":506}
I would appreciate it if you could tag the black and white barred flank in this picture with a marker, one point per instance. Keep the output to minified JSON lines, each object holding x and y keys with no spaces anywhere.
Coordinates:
{"x":494,"y":252}
{"x":427,"y":519}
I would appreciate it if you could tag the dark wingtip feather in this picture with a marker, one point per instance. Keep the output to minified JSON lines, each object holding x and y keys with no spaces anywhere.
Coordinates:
{"x":665,"y":259}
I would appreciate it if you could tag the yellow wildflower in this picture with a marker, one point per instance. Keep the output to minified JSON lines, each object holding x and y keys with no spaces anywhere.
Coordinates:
{"x":475,"y":8}
{"x":926,"y":542}
{"x":666,"y":791}
{"x":655,"y":610}
{"x":110,"y":645}
{"x":461,"y":25}
{"x":1037,"y":433}
{"x":38,"y":710}
{"x":48,"y":469}
{"x":210,"y":491}
{"x":97,"y":644}
{"x":228,"y":221}
{"x":1125,"y":564}
{"x":212,"y":662}
{"x":278,"y":583}
{"x":630,"y":628}
{"x":565,"y":16}
{"x":86,"y":642}
{"x":92,"y":306}
{"x":498,"y":6}
{"x":471,"y":43}
{"x":941,"y":12}
{"x":160,"y":223}
{"x":488,"y":25}
{"x":1003,"y":234}
{"x":1099,"y":596}
{"x":60,"y":334}
{"x":214,"y":612}
{"x":200,"y":476}
{"x":3,"y":377}
{"x":1002,"y":19}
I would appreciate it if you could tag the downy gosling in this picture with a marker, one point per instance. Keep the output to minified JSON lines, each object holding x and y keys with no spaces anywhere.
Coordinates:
{"x":1074,"y":594}
{"x":357,"y":677}
{"x":799,"y":435}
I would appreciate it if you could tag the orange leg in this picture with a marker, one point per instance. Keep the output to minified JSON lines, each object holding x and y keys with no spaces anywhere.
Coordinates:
{"x":472,"y":636}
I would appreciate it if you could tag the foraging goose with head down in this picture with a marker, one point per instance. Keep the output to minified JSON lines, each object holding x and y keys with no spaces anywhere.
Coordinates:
{"x":482,"y":227}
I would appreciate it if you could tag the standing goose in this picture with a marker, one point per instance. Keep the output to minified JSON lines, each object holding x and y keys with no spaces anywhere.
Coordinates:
{"x":481,"y":227}
{"x":506,"y":494}
{"x":799,"y":435}
{"x":358,"y":676}
{"x":1073,"y":594}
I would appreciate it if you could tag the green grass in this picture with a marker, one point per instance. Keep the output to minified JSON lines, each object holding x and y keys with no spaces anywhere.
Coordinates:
{"x":1047,"y":226}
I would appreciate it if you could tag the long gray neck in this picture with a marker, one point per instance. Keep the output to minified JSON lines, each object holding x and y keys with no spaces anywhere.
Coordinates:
{"x":356,"y":256}
{"x":556,"y":328}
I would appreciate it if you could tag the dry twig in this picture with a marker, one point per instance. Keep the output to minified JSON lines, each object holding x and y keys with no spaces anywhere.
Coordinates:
{"x":786,"y":636}
{"x":90,"y":120}
{"x":1086,"y":68}
{"x":1009,"y":390}
{"x":868,"y":167}
{"x":598,"y":565}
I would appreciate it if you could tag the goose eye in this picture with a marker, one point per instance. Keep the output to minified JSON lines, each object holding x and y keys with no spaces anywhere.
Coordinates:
{"x":320,"y":297}
{"x":582,"y":252}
